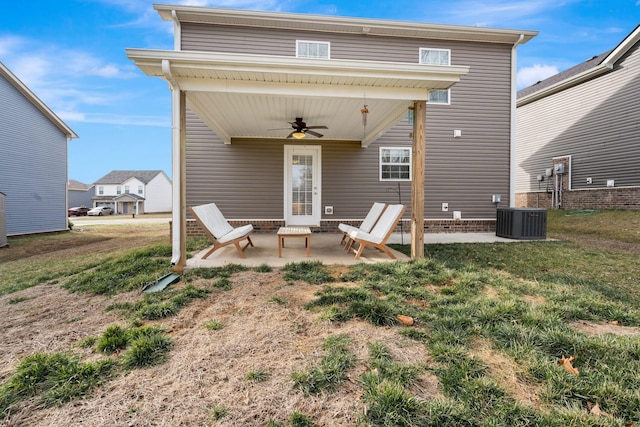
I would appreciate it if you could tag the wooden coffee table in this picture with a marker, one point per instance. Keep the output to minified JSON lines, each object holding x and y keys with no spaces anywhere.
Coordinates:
{"x":294,"y":232}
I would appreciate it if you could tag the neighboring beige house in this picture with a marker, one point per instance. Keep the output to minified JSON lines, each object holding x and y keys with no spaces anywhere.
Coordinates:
{"x":578,"y":134}
{"x":246,"y":84}
{"x":134,"y":191}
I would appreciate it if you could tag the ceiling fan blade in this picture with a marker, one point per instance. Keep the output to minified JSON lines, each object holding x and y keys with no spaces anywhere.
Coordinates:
{"x":317,"y":127}
{"x":316,"y":134}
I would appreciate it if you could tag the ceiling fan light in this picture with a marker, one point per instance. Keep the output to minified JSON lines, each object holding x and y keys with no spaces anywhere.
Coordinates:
{"x":298,"y":135}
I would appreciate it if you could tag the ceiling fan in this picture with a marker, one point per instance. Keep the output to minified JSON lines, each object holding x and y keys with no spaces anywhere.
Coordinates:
{"x":300,"y":129}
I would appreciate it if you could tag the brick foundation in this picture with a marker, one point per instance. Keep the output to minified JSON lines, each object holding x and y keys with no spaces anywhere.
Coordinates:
{"x":430,"y":226}
{"x":627,"y":198}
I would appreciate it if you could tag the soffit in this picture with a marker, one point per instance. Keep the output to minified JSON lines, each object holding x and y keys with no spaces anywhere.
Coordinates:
{"x":255,"y":96}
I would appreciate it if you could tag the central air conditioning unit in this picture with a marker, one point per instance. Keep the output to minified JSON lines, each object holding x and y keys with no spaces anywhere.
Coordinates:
{"x":521,"y":223}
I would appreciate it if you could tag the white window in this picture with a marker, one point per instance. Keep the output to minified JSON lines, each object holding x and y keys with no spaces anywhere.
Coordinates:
{"x":126,"y":189}
{"x":311,"y":49}
{"x":435,"y":56}
{"x":139,"y":189}
{"x":100,"y":190}
{"x":395,"y":164}
{"x":118,"y":190}
{"x":440,"y":96}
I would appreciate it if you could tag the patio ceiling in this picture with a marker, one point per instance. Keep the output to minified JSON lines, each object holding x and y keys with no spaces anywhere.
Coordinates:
{"x":255,"y":96}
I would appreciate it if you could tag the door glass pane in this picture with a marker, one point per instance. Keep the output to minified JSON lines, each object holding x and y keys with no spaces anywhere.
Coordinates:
{"x":302,"y":184}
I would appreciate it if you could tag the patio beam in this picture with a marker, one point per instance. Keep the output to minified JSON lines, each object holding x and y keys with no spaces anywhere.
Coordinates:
{"x":417,"y":182}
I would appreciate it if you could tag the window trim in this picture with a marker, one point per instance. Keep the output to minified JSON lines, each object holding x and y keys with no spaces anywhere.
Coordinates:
{"x":380,"y":164}
{"x":328,"y":44}
{"x":441,"y":103}
{"x":422,"y":49}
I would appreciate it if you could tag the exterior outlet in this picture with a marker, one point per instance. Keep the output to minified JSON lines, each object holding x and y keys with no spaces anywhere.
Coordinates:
{"x":445,"y":207}
{"x":328,"y":210}
{"x":589,"y":181}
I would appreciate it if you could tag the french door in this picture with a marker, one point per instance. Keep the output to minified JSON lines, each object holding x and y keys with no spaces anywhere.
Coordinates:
{"x":302,"y":184}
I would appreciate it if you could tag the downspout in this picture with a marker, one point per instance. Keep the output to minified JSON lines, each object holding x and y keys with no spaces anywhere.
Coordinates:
{"x":512,"y":145}
{"x":177,"y":216}
{"x":177,"y":31}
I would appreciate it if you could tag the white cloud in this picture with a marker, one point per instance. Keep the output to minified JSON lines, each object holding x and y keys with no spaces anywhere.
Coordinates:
{"x":68,"y":81}
{"x":530,"y":75}
{"x":497,"y":12}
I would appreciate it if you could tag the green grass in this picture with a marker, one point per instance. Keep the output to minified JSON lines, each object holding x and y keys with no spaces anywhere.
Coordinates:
{"x":313,"y":272}
{"x":484,"y":292}
{"x":257,"y":375}
{"x":386,"y":393}
{"x":52,"y":379}
{"x":158,"y":305}
{"x":213,"y":325}
{"x":330,"y":371}
{"x":123,"y":274}
{"x":18,"y":300}
{"x":277,"y":300}
{"x":218,"y":412}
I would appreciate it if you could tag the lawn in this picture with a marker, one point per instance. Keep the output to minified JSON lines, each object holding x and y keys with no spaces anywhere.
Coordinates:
{"x":525,"y":333}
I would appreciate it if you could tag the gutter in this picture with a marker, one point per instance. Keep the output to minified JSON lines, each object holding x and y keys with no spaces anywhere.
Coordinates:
{"x":512,"y":143}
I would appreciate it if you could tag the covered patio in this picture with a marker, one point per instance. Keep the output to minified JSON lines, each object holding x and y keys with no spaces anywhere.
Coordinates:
{"x":247,"y":97}
{"x":325,"y":247}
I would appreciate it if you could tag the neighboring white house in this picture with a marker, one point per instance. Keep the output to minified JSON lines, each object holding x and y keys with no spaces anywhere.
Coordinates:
{"x":33,"y":160}
{"x":134,"y":191}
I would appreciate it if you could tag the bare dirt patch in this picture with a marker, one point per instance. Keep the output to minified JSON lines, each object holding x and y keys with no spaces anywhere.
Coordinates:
{"x":593,"y":329}
{"x":507,"y":373}
{"x":207,"y":369}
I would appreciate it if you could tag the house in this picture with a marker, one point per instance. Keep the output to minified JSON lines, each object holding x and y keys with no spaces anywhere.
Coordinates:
{"x":79,"y":194}
{"x":134,"y":191}
{"x":284,"y":118}
{"x":578,"y":134}
{"x":33,"y":160}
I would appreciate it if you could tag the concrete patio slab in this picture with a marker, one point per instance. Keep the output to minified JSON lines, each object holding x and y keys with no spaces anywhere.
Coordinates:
{"x":325,"y":247}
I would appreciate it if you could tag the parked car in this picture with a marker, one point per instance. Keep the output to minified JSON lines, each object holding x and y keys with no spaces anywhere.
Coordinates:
{"x":100,"y":210}
{"x":78,"y":211}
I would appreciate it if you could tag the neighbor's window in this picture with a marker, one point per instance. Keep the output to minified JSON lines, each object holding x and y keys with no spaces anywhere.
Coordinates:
{"x":440,"y":96}
{"x":139,"y":189}
{"x":311,"y":49}
{"x":100,"y":190}
{"x":435,"y":56}
{"x":126,"y":189}
{"x":119,"y":190}
{"x":395,"y":164}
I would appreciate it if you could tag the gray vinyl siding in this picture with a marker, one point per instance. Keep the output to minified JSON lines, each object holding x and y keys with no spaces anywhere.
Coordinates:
{"x":33,"y":166}
{"x":596,"y":123}
{"x":463,"y":172}
{"x":81,"y":198}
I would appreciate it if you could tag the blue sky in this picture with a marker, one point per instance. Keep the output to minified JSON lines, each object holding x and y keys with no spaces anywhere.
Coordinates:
{"x":71,"y":54}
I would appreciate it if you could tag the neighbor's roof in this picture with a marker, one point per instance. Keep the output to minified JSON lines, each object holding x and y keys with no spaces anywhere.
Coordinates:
{"x":31,"y":97}
{"x":339,"y":24}
{"x":77,"y":185}
{"x":580,"y":73}
{"x":118,"y":177}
